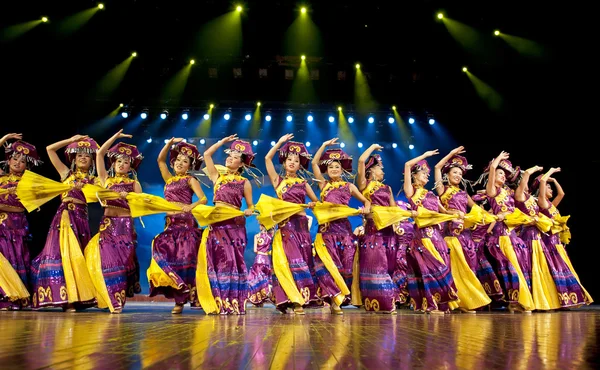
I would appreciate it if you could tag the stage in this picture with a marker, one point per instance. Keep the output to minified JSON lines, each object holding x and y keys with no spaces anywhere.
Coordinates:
{"x":146,"y":335}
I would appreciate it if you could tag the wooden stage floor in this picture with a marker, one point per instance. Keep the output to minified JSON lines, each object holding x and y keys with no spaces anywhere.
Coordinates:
{"x":146,"y":335}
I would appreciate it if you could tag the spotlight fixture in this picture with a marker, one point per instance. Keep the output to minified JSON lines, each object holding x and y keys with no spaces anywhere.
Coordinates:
{"x":185,"y":115}
{"x":164,"y":114}
{"x":268,"y":117}
{"x":144,"y":114}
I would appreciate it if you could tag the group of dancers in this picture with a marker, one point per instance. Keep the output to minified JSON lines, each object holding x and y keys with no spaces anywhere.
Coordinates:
{"x":439,"y":252}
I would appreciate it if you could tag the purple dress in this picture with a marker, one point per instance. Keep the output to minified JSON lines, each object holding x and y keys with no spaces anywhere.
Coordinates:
{"x":14,"y":230}
{"x":456,"y":199}
{"x":175,"y":250}
{"x":570,"y":292}
{"x":504,"y":202}
{"x":47,"y":271}
{"x":378,"y":290}
{"x":297,"y":245}
{"x":430,"y":282}
{"x":260,"y":274}
{"x":397,"y":263}
{"x":117,"y":242}
{"x":339,"y":241}
{"x":225,"y":247}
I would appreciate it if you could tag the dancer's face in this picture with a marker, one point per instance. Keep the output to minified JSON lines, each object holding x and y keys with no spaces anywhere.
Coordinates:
{"x":549,"y":191}
{"x":17,"y":163}
{"x":334,"y":170}
{"x":83,"y":161}
{"x":421,"y":178}
{"x":292,"y":163}
{"x":500,"y":177}
{"x":455,"y":176}
{"x":377,"y":173}
{"x":123,"y":165}
{"x":234,"y":161}
{"x":182,"y":164}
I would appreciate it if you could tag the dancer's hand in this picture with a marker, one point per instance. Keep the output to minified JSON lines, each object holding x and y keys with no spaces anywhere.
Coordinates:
{"x":76,"y":138}
{"x":187,"y":208}
{"x":431,"y":153}
{"x":229,"y":138}
{"x":311,"y":205}
{"x":331,"y":142}
{"x":13,"y":136}
{"x":459,"y":150}
{"x":285,"y":138}
{"x":248,"y":212}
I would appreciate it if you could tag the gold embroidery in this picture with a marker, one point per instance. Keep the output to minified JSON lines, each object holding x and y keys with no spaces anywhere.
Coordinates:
{"x":573,"y":297}
{"x":487,"y":288}
{"x":371,"y":188}
{"x":63,"y":292}
{"x":227,"y":178}
{"x":287,"y":184}
{"x":419,"y":196}
{"x":497,"y":286}
{"x":449,"y":193}
{"x":3,"y":216}
{"x":105,"y":224}
{"x":43,"y":294}
{"x":330,"y":185}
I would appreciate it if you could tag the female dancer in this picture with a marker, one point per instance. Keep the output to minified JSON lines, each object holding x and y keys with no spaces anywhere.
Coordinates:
{"x":227,"y":240}
{"x":430,"y":282}
{"x":562,"y":281}
{"x":506,"y":240}
{"x":260,"y":275}
{"x":295,"y":234}
{"x":450,"y":170}
{"x":336,"y":236}
{"x":14,"y":253}
{"x":110,"y":255}
{"x":378,"y":291}
{"x":59,"y":273}
{"x":172,"y":271}
{"x":397,"y":262}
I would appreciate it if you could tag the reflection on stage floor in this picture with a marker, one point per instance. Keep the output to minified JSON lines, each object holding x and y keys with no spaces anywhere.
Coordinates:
{"x":146,"y":335}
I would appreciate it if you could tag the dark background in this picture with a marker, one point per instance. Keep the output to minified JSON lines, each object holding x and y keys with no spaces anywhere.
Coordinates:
{"x":49,"y":78}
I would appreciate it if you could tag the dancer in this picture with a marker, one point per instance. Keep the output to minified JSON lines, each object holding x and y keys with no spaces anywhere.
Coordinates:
{"x":377,"y":291}
{"x":449,"y":173}
{"x":397,"y":262}
{"x":226,"y":240}
{"x":504,"y":238}
{"x":172,"y":271}
{"x":293,"y":237}
{"x":260,"y":275}
{"x":110,"y":255}
{"x":14,"y":252}
{"x":333,"y":264}
{"x":430,"y":282}
{"x":59,"y":273}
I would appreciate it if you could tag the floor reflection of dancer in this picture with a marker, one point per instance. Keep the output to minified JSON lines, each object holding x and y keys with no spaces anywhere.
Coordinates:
{"x":110,"y":254}
{"x":340,"y":243}
{"x":172,"y":271}
{"x":14,"y":252}
{"x":59,"y":273}
{"x":295,"y":233}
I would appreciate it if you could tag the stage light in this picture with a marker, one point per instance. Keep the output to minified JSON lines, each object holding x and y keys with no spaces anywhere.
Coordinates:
{"x":100,"y":6}
{"x":411,"y":147}
{"x":289,"y":118}
{"x":303,"y":10}
{"x":255,"y":142}
{"x":371,"y":120}
{"x":394,"y":145}
{"x":342,"y":145}
{"x":121,"y":105}
{"x":149,"y":140}
{"x":411,"y":120}
{"x":393,"y":107}
{"x":185,"y":116}
{"x":307,"y":144}
{"x":431,"y":121}
{"x":272,"y":143}
{"x":143,"y":115}
{"x":44,"y":19}
{"x":202,"y":141}
{"x":124,"y":114}
{"x":248,"y":117}
{"x":238,"y":8}
{"x":339,"y":109}
{"x":226,"y":116}
{"x":391,"y":120}
{"x":268,"y":117}
{"x":192,"y":61}
{"x":303,"y":57}
{"x":206,"y":116}
{"x":134,"y":54}
{"x":258,"y":104}
{"x":211,"y":106}
{"x":360,"y":145}
{"x":464,"y":69}
{"x":331,"y":119}
{"x":496,"y":33}
{"x":357,"y":66}
{"x":440,"y":16}
{"x":310,"y":118}
{"x":350,"y":119}
{"x":164,"y":114}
